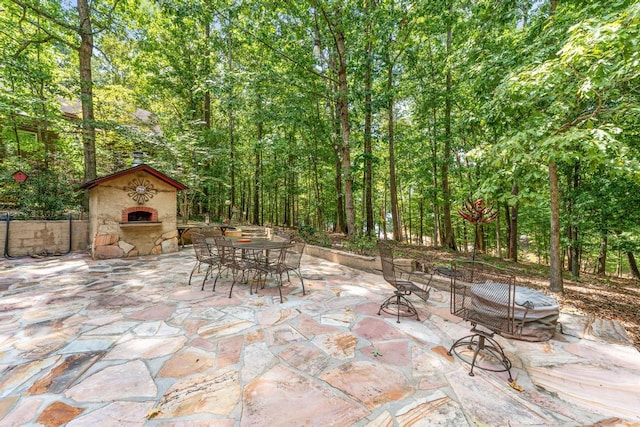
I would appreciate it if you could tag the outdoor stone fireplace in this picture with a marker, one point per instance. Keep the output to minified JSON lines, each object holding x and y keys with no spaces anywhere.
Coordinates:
{"x":133,"y":212}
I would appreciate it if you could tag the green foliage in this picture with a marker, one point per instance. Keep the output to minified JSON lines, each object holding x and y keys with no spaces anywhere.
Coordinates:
{"x":362,"y":245}
{"x":314,"y":237}
{"x":46,"y":195}
{"x":243,"y":94}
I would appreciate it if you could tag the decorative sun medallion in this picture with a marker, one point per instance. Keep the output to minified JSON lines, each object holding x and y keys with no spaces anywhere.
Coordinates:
{"x":141,"y":190}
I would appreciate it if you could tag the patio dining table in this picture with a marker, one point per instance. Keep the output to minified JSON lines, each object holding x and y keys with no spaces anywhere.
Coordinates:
{"x":259,"y":250}
{"x":253,"y":244}
{"x":258,"y":244}
{"x":256,"y":248}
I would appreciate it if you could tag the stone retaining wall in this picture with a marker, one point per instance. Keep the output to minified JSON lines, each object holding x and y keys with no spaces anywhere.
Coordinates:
{"x":37,"y":238}
{"x":370,"y":264}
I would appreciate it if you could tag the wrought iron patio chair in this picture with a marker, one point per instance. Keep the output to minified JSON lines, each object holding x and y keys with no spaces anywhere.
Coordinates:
{"x":398,"y":304}
{"x":203,"y":256}
{"x":231,"y":261}
{"x":291,"y":261}
{"x":288,"y":260}
{"x":266,"y":263}
{"x":483,"y":295}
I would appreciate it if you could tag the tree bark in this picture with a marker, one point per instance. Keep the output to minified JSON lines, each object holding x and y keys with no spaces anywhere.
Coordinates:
{"x":368,"y":111}
{"x":85,"y":54}
{"x":339,"y":226}
{"x":449,"y":238}
{"x":498,"y":235}
{"x":555,"y":258}
{"x":513,"y":228}
{"x":633,"y":266}
{"x":507,"y":221}
{"x":393,"y":190}
{"x":343,"y":100}
{"x":438,"y":235}
{"x":316,"y":179}
{"x":602,"y":256}
{"x":257,"y":169}
{"x":574,"y":248}
{"x":232,"y":142}
{"x":207,"y":93}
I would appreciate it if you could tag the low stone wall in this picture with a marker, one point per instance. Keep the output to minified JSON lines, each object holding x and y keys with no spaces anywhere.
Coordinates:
{"x":38,"y":238}
{"x":371,"y":264}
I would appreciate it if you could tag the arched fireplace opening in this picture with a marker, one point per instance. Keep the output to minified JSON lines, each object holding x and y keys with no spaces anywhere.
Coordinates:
{"x":138,"y":216}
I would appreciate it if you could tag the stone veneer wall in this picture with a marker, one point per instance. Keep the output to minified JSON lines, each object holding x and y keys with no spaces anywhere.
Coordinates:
{"x":106,"y":246}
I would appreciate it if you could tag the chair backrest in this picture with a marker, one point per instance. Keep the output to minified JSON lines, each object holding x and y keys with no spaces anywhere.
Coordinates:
{"x":210,"y":232}
{"x":200,"y":246}
{"x":484,"y":295}
{"x":286,"y":236}
{"x":386,"y":259}
{"x":226,"y":251}
{"x":292,"y":254}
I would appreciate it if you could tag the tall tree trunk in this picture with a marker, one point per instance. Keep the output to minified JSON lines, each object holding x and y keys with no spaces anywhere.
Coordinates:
{"x":232,"y":145}
{"x":437,"y":231}
{"x":507,"y":221}
{"x":633,"y":266}
{"x":343,"y":100}
{"x":393,"y":190}
{"x":449,"y":238}
{"x":316,"y":179}
{"x":602,"y":256}
{"x":86,"y":95}
{"x":207,"y":93}
{"x":421,"y":218}
{"x":513,"y":228}
{"x":574,"y":248}
{"x":368,"y":111}
{"x":555,"y":258}
{"x":257,"y":169}
{"x":339,"y":226}
{"x":368,"y":165}
{"x":384,"y":214}
{"x":498,"y":235}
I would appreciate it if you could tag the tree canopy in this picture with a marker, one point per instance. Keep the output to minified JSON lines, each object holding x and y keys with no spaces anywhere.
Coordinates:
{"x":377,"y":119}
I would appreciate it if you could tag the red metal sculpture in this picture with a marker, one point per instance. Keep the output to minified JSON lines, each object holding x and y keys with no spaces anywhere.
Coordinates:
{"x":478,"y":213}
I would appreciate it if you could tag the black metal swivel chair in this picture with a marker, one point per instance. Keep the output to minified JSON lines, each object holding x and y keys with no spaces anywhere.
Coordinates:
{"x":398,"y":304}
{"x":483,"y":295}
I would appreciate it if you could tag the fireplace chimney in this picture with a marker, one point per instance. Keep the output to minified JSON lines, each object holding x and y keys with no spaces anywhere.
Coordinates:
{"x":137,"y":158}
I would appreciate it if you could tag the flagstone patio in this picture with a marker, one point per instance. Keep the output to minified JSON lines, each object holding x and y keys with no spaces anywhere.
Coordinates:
{"x":126,"y":342}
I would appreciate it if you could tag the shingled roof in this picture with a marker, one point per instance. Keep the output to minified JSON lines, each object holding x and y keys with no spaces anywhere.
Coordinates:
{"x":138,"y":168}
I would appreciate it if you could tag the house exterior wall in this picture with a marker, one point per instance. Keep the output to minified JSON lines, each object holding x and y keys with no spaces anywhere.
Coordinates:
{"x":113,"y":237}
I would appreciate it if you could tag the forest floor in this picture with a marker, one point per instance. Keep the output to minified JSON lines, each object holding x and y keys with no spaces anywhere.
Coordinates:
{"x":604,"y":297}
